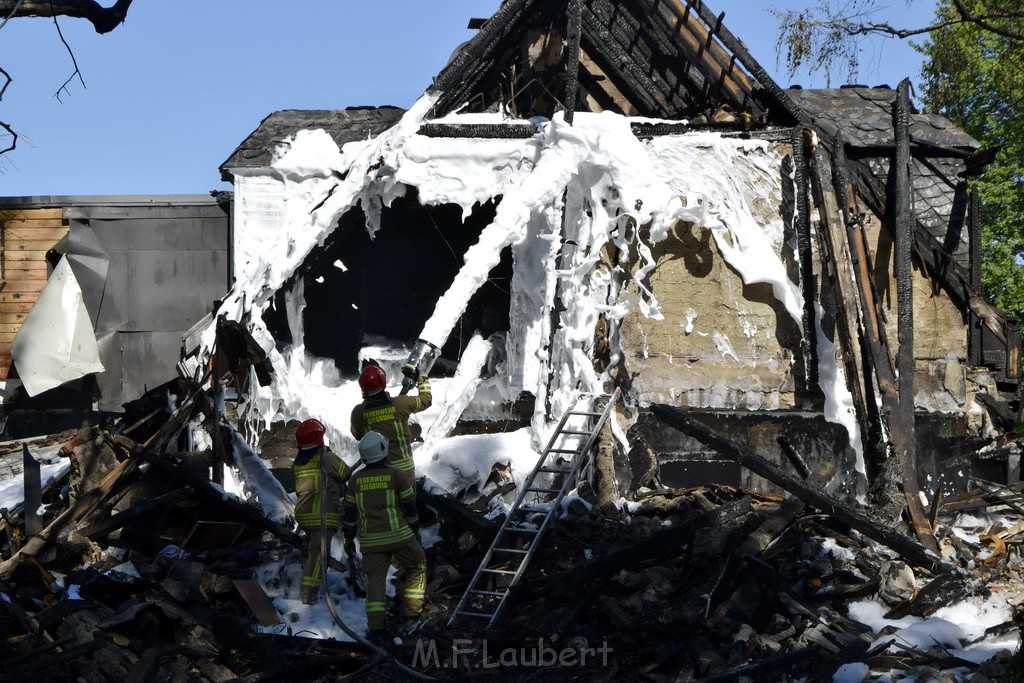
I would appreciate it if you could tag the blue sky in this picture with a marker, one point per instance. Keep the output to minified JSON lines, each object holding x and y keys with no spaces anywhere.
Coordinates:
{"x":171,"y":93}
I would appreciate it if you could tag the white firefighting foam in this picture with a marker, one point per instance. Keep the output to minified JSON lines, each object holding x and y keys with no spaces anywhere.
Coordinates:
{"x":597,"y":172}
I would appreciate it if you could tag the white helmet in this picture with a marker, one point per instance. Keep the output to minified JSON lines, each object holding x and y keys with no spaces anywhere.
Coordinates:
{"x":373,"y":447}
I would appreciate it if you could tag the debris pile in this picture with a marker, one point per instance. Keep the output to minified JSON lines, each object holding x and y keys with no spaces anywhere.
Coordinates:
{"x":142,"y":568}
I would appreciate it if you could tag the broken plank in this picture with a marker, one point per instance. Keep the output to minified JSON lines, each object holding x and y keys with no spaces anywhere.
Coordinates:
{"x":909,"y":549}
{"x":80,"y":509}
{"x":261,"y":606}
{"x":69,"y":654}
{"x":206,"y":490}
{"x":103,"y":527}
{"x":33,"y":492}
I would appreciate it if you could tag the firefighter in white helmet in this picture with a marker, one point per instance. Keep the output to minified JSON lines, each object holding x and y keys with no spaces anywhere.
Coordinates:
{"x":381,"y":508}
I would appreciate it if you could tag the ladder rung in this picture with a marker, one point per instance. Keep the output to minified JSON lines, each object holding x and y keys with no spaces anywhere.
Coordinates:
{"x":524,"y":508}
{"x":485,"y":615}
{"x":500,"y":595}
{"x":589,"y":414}
{"x":521,"y":531}
{"x":497,"y":571}
{"x":562,"y":450}
{"x":536,"y":490}
{"x":509,"y":550}
{"x":553,"y":470}
{"x":573,"y":432}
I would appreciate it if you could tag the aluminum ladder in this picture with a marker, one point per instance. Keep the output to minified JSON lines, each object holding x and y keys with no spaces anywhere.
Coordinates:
{"x":566,"y":460}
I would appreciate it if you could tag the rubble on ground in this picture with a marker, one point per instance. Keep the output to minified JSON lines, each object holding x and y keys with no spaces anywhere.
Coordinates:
{"x":144,"y":569}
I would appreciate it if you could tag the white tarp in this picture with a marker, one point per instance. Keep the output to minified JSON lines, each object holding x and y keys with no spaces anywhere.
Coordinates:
{"x":56,"y":343}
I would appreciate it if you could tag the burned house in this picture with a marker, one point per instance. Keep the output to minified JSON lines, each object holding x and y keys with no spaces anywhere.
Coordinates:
{"x":781,"y":262}
{"x":601,"y":209}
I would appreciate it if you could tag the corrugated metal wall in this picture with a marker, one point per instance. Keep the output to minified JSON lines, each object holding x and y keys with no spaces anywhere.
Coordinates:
{"x":165,"y":266}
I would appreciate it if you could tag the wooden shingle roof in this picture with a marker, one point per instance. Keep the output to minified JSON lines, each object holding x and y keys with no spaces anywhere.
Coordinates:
{"x":864,"y":115}
{"x":343,"y":125}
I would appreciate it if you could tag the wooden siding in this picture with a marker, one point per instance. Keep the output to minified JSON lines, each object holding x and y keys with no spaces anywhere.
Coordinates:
{"x":25,"y":237}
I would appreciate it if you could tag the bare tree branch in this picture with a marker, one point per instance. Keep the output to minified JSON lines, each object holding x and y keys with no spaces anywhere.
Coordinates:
{"x":984,"y":20}
{"x":3,"y":124}
{"x":76,"y":72}
{"x":103,"y":19}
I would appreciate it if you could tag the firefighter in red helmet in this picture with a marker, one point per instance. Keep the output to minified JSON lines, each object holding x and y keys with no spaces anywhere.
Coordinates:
{"x":389,"y":416}
{"x":309,"y":482}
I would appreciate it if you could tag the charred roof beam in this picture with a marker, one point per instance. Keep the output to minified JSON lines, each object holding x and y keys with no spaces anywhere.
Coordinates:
{"x":460,"y":77}
{"x":732,"y":44}
{"x":716,"y":66}
{"x":655,"y":52}
{"x":622,"y":65}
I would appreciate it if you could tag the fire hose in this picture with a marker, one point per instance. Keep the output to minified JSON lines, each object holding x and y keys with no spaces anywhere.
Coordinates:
{"x":325,"y":543}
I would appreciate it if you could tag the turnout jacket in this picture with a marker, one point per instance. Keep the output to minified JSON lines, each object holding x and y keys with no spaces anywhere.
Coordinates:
{"x":380,"y":504}
{"x":308,"y":482}
{"x":390,"y":417}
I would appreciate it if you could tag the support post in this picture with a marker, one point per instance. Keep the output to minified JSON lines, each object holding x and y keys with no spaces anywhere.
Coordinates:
{"x":974,"y":329}
{"x":906,"y":447}
{"x":572,"y":58}
{"x":32,"y":481}
{"x":805,"y":256}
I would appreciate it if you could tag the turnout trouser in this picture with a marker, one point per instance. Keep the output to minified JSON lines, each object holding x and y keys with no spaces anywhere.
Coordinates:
{"x":409,"y":557}
{"x":313,"y":571}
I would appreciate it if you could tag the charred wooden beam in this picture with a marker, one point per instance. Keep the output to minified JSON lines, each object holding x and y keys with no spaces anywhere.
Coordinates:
{"x":117,"y":521}
{"x":499,"y":131}
{"x":912,"y":551}
{"x":903,"y":257}
{"x":838,"y":265}
{"x":654,"y":51}
{"x":82,"y":507}
{"x":213,"y":495}
{"x":715,"y":66}
{"x":899,"y":421}
{"x":743,"y":55}
{"x":794,"y":457}
{"x":71,"y":653}
{"x":459,"y":514}
{"x":521,"y":131}
{"x":945,"y":589}
{"x":874,"y":330}
{"x":1011,"y":325}
{"x":805,"y":256}
{"x":33,"y":492}
{"x":620,"y":64}
{"x":458,"y":78}
{"x":1005,"y":418}
{"x":974,"y":333}
{"x":572,"y":58}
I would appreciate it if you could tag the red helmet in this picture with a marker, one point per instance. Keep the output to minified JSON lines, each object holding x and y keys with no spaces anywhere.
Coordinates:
{"x":372,"y":380}
{"x":310,"y":434}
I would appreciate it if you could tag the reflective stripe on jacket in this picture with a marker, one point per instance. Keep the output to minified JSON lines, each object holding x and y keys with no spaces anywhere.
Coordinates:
{"x":390,"y":417}
{"x":308,"y":478}
{"x":380,"y":505}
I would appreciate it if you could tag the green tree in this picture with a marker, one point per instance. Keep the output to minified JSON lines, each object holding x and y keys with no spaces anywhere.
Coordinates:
{"x":973,"y":77}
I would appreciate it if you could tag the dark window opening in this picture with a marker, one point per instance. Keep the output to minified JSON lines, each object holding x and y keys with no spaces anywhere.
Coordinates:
{"x":388,"y":286}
